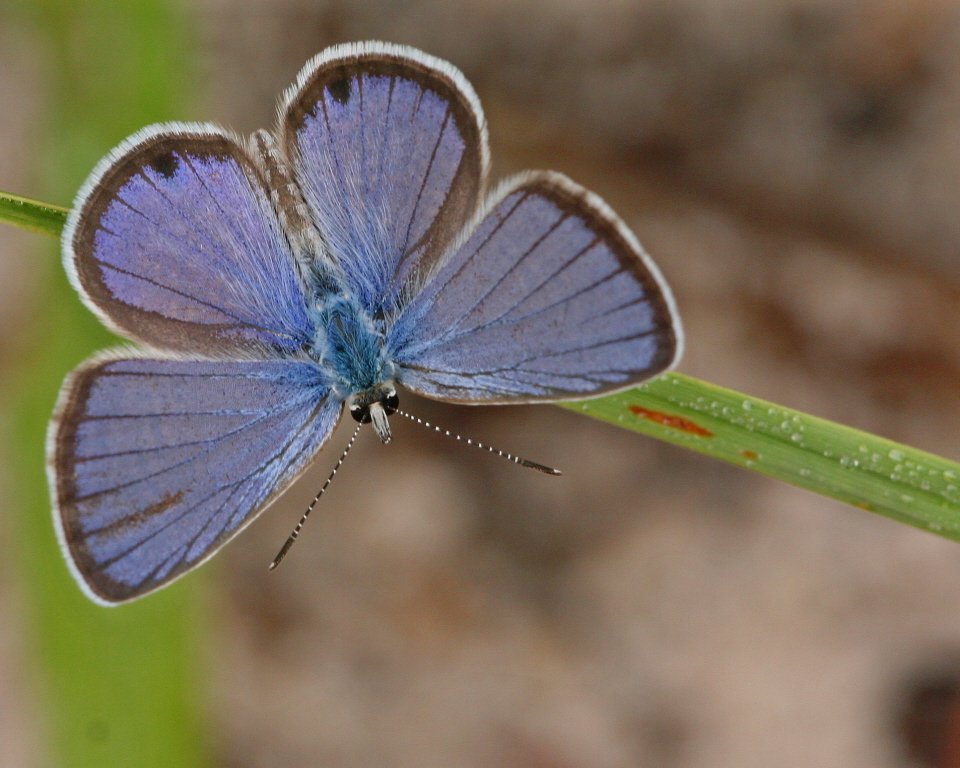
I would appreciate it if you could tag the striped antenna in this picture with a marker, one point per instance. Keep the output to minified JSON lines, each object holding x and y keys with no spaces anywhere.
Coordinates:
{"x":296,"y":531}
{"x":468,"y":441}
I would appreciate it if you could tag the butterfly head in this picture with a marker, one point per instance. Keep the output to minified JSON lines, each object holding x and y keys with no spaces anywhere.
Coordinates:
{"x":374,"y":406}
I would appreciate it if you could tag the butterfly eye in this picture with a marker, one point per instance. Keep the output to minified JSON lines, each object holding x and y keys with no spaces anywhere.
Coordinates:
{"x":390,"y":403}
{"x":360,"y":413}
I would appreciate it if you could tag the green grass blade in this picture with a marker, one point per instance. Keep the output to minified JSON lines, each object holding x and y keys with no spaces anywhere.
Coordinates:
{"x":843,"y":463}
{"x":32,"y":215}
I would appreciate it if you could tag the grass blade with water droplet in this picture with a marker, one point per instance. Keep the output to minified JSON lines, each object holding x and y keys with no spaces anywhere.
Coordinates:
{"x":855,"y":467}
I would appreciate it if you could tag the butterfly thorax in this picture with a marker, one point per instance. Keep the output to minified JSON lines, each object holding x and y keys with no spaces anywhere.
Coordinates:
{"x":350,"y":348}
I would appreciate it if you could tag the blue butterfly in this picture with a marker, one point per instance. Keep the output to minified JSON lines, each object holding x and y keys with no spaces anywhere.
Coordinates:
{"x":270,"y":281}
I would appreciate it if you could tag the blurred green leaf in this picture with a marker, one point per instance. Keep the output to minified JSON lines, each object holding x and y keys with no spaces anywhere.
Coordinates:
{"x":121,"y":686}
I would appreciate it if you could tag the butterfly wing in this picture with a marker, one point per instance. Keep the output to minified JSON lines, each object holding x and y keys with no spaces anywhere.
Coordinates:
{"x":389,"y":147}
{"x":156,"y":464}
{"x":549,"y":297}
{"x":173,"y":242}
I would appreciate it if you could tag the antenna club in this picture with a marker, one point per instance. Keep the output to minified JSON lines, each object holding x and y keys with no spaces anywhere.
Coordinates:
{"x":503,"y":454}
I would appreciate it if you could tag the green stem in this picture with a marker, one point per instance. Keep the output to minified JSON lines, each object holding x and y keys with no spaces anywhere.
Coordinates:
{"x":855,"y":467}
{"x":32,"y":215}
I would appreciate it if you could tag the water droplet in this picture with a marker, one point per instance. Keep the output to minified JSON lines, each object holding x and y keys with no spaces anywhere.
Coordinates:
{"x":863,"y":449}
{"x":949,"y":475}
{"x":796,"y":437}
{"x":747,"y":405}
{"x":924,"y":485}
{"x":805,"y":472}
{"x":906,"y":497}
{"x":785,"y":426}
{"x":896,"y":455}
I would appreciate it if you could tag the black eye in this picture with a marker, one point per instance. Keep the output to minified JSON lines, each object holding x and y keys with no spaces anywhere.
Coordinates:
{"x":390,"y":403}
{"x":360,"y":413}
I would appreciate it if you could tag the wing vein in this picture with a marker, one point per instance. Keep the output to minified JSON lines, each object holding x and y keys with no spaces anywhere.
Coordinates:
{"x":509,"y":271}
{"x":115,"y":488}
{"x":480,"y":246}
{"x":234,"y":485}
{"x":221,"y":310}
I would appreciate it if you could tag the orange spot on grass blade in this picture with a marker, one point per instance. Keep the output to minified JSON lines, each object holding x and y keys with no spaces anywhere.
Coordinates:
{"x":749,"y":455}
{"x":669,"y":420}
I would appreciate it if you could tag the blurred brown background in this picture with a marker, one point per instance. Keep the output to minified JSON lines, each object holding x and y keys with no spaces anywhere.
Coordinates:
{"x":794,"y":167}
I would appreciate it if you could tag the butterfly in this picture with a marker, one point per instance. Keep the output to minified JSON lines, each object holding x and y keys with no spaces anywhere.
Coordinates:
{"x":269,"y":282}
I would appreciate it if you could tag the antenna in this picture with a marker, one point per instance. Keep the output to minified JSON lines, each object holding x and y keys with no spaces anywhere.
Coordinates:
{"x":296,"y":531}
{"x":468,"y":441}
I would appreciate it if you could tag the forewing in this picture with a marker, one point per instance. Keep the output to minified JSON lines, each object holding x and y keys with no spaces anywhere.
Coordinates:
{"x":549,"y":297}
{"x":389,"y":147}
{"x":172,"y":241}
{"x":155,"y":464}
